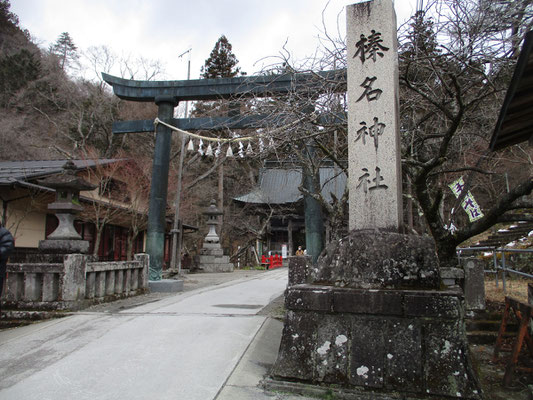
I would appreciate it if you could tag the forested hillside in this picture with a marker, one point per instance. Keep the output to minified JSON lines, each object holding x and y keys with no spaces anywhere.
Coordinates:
{"x":46,"y":113}
{"x":49,"y":112}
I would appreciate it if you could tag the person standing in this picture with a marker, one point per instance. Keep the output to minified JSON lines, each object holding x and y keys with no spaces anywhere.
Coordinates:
{"x":6,"y":247}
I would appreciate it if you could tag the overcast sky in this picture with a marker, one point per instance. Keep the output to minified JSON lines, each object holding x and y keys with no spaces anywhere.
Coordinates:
{"x":163,"y":29}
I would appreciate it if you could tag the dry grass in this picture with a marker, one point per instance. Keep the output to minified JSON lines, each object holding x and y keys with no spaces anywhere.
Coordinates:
{"x":515,"y":288}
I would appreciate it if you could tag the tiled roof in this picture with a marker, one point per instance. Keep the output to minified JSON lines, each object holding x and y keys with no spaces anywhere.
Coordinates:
{"x":280,"y":185}
{"x":514,"y":123}
{"x":11,"y":171}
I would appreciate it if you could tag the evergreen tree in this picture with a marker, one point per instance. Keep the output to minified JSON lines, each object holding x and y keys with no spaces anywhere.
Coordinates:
{"x":221,"y":63}
{"x":12,"y":37}
{"x":65,"y":49}
{"x":8,"y":20}
{"x":16,"y":71}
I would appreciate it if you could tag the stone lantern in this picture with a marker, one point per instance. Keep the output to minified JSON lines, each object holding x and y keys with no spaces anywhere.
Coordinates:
{"x":212,"y":258}
{"x":65,"y":239}
{"x":212,"y":213}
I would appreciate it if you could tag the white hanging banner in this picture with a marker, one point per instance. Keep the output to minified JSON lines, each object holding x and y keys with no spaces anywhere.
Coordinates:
{"x":190,"y":147}
{"x":469,"y":204}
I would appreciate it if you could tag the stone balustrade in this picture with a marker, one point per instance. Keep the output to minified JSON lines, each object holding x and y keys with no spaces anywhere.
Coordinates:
{"x":73,"y":284}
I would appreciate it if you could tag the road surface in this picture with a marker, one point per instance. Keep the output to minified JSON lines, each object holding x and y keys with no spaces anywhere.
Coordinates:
{"x":180,"y":347}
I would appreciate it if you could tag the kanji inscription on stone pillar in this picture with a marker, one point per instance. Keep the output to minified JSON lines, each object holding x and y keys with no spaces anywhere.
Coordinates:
{"x":373,"y":135}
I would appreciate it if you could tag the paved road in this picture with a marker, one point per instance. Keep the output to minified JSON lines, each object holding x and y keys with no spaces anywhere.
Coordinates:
{"x":180,"y":347}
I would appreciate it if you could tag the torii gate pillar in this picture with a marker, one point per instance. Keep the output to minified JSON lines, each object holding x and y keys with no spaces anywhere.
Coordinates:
{"x":155,"y":241}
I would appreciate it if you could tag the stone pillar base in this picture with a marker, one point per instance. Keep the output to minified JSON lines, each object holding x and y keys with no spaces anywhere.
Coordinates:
{"x":64,"y":246}
{"x":379,"y":341}
{"x":215,"y":263}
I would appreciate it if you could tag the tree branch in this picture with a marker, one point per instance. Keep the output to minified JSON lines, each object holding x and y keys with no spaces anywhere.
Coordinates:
{"x":505,"y":203}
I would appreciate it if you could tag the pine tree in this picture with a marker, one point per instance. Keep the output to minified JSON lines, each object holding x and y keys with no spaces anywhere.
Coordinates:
{"x":65,"y":49}
{"x":221,"y":63}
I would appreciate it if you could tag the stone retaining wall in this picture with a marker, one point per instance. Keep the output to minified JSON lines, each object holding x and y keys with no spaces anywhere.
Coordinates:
{"x":73,"y":284}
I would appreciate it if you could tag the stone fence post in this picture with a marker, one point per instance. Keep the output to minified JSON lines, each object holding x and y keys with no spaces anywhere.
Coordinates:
{"x":299,"y":269}
{"x":474,"y":286}
{"x":73,"y":279}
{"x":144,"y":259}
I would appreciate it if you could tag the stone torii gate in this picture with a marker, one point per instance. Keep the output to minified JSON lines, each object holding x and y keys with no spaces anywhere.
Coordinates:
{"x":167,"y":95}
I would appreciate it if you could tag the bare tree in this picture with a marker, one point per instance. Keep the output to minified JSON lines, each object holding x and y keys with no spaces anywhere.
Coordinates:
{"x":103,"y":207}
{"x":98,"y":59}
{"x":456,"y":58}
{"x":307,"y":126}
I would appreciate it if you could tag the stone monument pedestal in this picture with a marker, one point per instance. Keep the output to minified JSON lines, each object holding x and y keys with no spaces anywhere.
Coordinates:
{"x":212,"y":259}
{"x":386,"y":340}
{"x":371,"y":319}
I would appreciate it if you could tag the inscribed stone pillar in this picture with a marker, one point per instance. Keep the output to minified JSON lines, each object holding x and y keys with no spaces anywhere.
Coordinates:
{"x":374,"y":145}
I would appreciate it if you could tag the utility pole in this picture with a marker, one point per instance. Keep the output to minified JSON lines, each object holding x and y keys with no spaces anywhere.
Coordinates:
{"x":177,"y":228}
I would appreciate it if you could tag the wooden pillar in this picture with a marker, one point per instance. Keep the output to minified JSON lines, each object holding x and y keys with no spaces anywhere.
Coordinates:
{"x":220,"y":199}
{"x":289,"y":232}
{"x":530,"y":301}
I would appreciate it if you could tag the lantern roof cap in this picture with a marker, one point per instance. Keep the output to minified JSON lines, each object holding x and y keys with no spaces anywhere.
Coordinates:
{"x":68,"y":179}
{"x":212,"y":209}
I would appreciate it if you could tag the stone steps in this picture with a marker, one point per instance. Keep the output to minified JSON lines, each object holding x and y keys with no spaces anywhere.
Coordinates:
{"x":484,"y":329}
{"x":488,"y":325}
{"x":511,"y":234}
{"x":481,"y":337}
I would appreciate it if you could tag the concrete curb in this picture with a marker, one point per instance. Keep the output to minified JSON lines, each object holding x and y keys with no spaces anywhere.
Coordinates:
{"x":166,"y":286}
